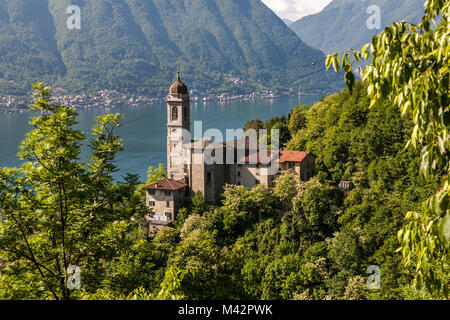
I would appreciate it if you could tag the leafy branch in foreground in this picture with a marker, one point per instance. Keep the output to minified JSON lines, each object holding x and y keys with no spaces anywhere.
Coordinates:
{"x":410,"y":67}
{"x":59,"y":212}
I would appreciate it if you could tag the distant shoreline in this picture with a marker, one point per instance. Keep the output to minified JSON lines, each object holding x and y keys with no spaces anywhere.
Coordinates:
{"x":111,"y":99}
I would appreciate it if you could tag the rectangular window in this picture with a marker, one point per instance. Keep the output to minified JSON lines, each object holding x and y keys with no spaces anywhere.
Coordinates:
{"x":152,"y":203}
{"x":168,"y":204}
{"x":168,"y":216}
{"x":291,"y":165}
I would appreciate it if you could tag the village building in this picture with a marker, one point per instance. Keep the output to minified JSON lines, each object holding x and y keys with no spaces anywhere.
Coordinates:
{"x":165,"y":198}
{"x":190,"y":169}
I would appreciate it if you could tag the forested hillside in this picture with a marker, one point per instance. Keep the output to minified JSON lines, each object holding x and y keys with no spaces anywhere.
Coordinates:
{"x":136,"y":46}
{"x":304,"y":240}
{"x":343,"y":23}
{"x":308,"y":240}
{"x":299,"y":240}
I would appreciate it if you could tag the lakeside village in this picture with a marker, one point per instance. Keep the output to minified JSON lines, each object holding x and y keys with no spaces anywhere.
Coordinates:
{"x":112,"y":98}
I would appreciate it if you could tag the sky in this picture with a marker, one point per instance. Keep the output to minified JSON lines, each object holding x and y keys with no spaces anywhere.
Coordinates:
{"x":296,"y":9}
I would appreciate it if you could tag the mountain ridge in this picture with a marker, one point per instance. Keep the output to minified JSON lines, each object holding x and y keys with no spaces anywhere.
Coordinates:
{"x":136,"y":46}
{"x":346,"y":22}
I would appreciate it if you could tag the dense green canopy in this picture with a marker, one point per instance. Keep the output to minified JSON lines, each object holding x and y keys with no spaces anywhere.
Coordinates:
{"x":304,"y":240}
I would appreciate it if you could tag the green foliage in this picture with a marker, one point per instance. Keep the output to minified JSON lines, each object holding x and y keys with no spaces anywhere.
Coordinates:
{"x":306,"y":240}
{"x":199,"y":204}
{"x":254,"y":124}
{"x":155,"y":175}
{"x":410,"y":68}
{"x":319,"y":207}
{"x":171,"y":286}
{"x":170,"y":290}
{"x":299,"y":240}
{"x":297,"y":119}
{"x":276,"y":123}
{"x":60,"y":212}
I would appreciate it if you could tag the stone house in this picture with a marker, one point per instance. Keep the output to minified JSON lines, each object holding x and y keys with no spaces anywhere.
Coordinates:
{"x":165,"y":198}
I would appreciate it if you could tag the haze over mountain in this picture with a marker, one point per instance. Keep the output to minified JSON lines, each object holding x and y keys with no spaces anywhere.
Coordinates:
{"x":136,"y":46}
{"x":343,"y":23}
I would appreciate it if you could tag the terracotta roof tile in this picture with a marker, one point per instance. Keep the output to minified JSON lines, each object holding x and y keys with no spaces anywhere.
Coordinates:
{"x":285,"y":156}
{"x":251,"y":157}
{"x":293,"y":156}
{"x":167,"y":184}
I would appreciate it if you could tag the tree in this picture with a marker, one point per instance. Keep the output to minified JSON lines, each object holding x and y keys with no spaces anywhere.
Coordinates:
{"x":198,"y":250}
{"x":410,"y":67}
{"x":255,"y":124}
{"x":61,"y":214}
{"x":355,"y":288}
{"x":153,"y":175}
{"x":297,"y":119}
{"x":170,"y":289}
{"x":318,"y":205}
{"x":199,"y":204}
{"x":286,"y":188}
{"x":275,"y":123}
{"x":156,"y":174}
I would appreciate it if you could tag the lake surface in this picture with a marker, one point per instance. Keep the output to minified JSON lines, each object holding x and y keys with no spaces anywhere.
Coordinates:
{"x":144,"y":127}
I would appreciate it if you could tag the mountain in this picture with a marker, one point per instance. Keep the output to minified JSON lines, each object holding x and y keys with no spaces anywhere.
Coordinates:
{"x":136,"y":46}
{"x":288,"y":22}
{"x":343,"y":23}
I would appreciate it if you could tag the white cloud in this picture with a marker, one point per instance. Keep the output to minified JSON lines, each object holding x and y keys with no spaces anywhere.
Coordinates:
{"x":296,"y":9}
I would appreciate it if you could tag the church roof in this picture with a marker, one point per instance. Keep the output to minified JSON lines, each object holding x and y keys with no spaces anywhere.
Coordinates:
{"x":258,"y":157}
{"x":252,"y":154}
{"x":292,"y":156}
{"x":203,"y":144}
{"x":238,"y":144}
{"x":284,"y":156}
{"x":167,"y":184}
{"x":178,"y":87}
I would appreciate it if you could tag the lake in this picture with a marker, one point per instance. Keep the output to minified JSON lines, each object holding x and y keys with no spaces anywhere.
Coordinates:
{"x":144,"y":127}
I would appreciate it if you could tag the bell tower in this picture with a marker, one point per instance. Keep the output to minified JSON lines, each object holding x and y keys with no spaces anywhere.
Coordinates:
{"x":178,"y":120}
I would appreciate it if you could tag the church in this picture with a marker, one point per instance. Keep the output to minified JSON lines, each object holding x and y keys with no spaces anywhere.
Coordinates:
{"x":189,"y":169}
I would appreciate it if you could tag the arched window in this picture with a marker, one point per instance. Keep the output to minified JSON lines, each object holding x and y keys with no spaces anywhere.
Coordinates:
{"x":174,"y":114}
